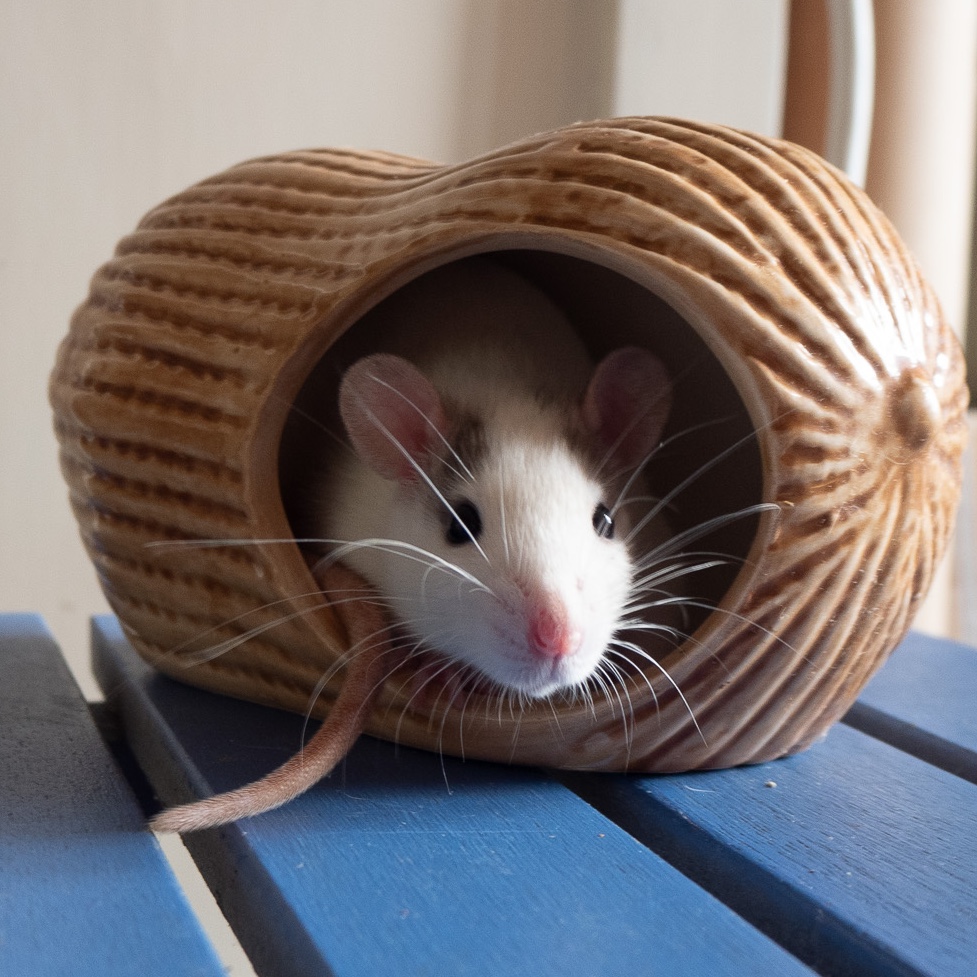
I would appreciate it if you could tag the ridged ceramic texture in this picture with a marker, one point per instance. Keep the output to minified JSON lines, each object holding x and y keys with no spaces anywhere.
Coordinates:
{"x":172,"y":387}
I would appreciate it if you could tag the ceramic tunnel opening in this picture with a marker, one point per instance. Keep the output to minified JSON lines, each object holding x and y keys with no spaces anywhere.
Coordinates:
{"x":708,"y":421}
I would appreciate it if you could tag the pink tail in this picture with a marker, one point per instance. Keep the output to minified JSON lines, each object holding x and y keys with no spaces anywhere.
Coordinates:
{"x":327,"y":747}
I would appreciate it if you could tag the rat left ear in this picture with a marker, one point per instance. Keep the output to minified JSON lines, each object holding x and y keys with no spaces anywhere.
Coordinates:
{"x":392,"y":414}
{"x":627,"y":403}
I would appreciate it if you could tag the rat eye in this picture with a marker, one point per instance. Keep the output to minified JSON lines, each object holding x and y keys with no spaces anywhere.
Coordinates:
{"x":466,"y":524}
{"x":603,"y":522}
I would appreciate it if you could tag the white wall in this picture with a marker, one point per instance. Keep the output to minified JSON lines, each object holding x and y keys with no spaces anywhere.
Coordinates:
{"x":106,"y":108}
{"x":709,"y":60}
{"x":921,"y":173}
{"x":109,"y":106}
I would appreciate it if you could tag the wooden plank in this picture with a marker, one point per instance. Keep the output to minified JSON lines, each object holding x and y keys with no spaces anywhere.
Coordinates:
{"x":406,"y":864}
{"x":923,"y":701}
{"x":83,"y":888}
{"x":861,"y":859}
{"x":964,"y":551}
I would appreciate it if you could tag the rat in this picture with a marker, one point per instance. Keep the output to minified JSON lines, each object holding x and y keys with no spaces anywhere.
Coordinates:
{"x":492,"y":493}
{"x":491,"y":454}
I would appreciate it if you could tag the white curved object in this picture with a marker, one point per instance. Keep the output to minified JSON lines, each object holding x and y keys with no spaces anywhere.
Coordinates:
{"x":851,"y":26}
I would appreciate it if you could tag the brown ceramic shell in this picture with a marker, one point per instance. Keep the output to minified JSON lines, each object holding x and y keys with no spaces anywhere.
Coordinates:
{"x":171,"y":391}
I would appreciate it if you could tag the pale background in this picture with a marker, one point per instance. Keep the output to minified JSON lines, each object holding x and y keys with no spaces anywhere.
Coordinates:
{"x":109,"y":106}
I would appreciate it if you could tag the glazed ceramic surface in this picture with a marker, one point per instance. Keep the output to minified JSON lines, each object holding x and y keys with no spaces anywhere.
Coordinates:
{"x":174,"y":385}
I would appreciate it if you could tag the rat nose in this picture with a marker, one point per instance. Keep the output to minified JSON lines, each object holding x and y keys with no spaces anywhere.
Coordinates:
{"x":551,"y":635}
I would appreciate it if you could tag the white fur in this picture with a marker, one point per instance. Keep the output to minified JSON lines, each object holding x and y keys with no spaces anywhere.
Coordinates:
{"x":536,"y":503}
{"x":533,"y":491}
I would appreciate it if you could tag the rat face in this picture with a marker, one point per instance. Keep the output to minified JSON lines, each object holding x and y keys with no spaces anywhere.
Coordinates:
{"x":511,"y":556}
{"x":531,"y":572}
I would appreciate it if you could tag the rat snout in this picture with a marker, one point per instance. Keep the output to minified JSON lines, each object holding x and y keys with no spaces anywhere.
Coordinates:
{"x":551,"y":634}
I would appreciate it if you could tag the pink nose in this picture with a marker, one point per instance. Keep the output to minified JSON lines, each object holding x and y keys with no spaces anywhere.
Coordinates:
{"x":550,"y":633}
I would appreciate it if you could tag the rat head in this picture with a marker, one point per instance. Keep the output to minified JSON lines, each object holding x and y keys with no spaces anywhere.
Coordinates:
{"x":512,"y":552}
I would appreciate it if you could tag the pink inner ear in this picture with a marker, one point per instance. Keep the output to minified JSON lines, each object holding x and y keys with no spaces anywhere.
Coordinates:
{"x":393,"y":415}
{"x":627,"y":403}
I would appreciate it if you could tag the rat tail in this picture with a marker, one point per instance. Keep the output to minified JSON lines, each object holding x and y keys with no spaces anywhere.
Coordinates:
{"x":331,"y":742}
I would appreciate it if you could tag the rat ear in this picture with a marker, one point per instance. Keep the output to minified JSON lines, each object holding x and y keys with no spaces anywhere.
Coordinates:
{"x":393,"y":415}
{"x":627,"y":403}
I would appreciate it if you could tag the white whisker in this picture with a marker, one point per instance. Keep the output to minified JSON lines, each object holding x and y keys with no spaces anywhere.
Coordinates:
{"x":465,"y":474}
{"x":399,"y":548}
{"x":638,"y":650}
{"x":502,"y":523}
{"x":703,"y":528}
{"x":382,"y":428}
{"x":205,"y":544}
{"x":617,"y":653}
{"x":701,"y":470}
{"x":643,"y":464}
{"x":366,"y":644}
{"x":229,"y":644}
{"x":653,"y":579}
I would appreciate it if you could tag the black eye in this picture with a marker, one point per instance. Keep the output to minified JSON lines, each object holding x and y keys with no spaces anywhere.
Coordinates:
{"x":603,"y":522}
{"x":466,"y":524}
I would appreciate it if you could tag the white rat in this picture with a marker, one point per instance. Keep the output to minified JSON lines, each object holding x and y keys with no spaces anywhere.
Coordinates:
{"x":487,"y":470}
{"x":492,"y":488}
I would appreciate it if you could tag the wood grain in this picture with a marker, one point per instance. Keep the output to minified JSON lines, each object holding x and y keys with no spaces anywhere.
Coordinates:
{"x":858,"y":858}
{"x":407,"y":863}
{"x":84,"y":888}
{"x":915,"y":703}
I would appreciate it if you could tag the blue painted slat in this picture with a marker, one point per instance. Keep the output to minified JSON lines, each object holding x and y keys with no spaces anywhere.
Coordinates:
{"x":84,"y":890}
{"x":862,"y":859}
{"x":924,"y":700}
{"x":383,"y":869}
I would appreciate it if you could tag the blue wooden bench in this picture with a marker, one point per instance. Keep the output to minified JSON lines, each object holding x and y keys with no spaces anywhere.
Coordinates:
{"x":84,"y":889}
{"x":857,"y":857}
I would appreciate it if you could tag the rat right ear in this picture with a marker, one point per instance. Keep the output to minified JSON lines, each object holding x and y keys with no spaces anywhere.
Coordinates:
{"x":627,"y":403}
{"x":392,"y":413}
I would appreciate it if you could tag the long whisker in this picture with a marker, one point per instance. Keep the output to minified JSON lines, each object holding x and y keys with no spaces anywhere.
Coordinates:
{"x":366,"y":644}
{"x":442,"y":667}
{"x":229,"y":644}
{"x":314,"y":421}
{"x":643,"y":464}
{"x":678,"y":637}
{"x":621,"y":675}
{"x":638,"y":650}
{"x":207,"y":544}
{"x":612,"y":450}
{"x":340,"y":662}
{"x":619,"y":689}
{"x":465,"y":473}
{"x":517,"y":729}
{"x":715,"y":608}
{"x":700,"y":471}
{"x":654,"y":579}
{"x":626,"y":433}
{"x":665,"y":632}
{"x":618,"y":653}
{"x":679,"y":540}
{"x":205,"y":655}
{"x":395,"y":547}
{"x":398,"y":547}
{"x":502,"y":522}
{"x":385,"y":431}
